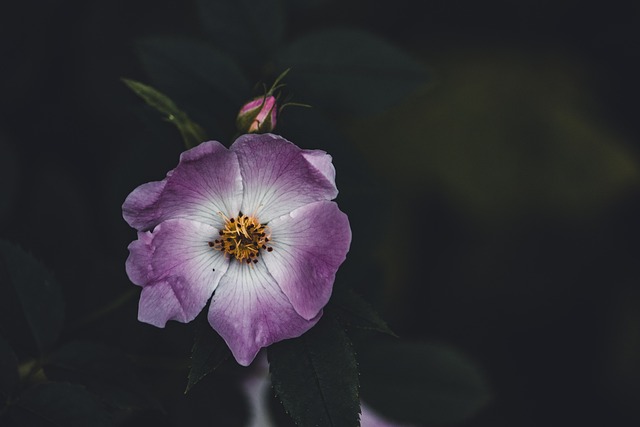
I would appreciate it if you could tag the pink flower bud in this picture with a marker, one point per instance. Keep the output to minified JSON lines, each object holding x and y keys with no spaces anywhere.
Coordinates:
{"x":258,"y":115}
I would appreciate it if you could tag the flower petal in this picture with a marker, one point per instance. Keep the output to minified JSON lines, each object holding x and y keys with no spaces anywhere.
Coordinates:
{"x":177,"y":269}
{"x":206,"y":181}
{"x":278,"y":178}
{"x":250,"y":312}
{"x":309,"y":244}
{"x":370,"y":418}
{"x":322,"y":162}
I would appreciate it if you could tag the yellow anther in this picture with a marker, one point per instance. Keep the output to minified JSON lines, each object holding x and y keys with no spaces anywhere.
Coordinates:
{"x":242,"y":238}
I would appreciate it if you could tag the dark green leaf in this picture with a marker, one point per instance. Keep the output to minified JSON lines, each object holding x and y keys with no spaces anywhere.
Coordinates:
{"x":353,"y":311}
{"x":206,"y":83}
{"x":208,"y":352}
{"x":8,"y":368}
{"x":421,"y":383}
{"x":277,"y":413}
{"x":191,"y":132}
{"x":104,"y":370}
{"x":38,"y":294}
{"x":316,"y":376}
{"x":246,"y":29}
{"x":350,"y":71}
{"x":59,"y":405}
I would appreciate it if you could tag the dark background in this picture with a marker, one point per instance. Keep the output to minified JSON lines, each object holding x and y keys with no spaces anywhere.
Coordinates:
{"x":518,"y":165}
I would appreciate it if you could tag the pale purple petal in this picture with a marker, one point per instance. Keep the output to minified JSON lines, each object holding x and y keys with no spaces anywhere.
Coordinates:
{"x":277,"y":178}
{"x":250,"y":311}
{"x":206,"y":182}
{"x":309,"y":244}
{"x":322,"y":162}
{"x":177,"y":269}
{"x":161,"y":302}
{"x":139,"y":265}
{"x":140,"y":208}
{"x":370,"y":418}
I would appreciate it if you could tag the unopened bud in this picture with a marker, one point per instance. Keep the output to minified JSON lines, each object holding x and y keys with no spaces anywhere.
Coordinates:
{"x":258,"y":115}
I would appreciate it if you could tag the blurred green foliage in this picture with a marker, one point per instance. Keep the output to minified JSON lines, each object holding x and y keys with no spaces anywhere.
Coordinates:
{"x":503,"y":134}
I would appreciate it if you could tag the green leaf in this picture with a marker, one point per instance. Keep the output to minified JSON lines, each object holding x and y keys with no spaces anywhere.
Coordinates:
{"x":316,"y":376}
{"x":421,"y":383}
{"x":191,"y":132}
{"x":59,"y":405}
{"x":350,"y":71}
{"x":8,"y":368}
{"x":353,"y":311}
{"x":208,"y":352}
{"x":205,"y":82}
{"x":104,"y":370}
{"x":278,"y":415}
{"x":37,"y":292}
{"x":248,"y":30}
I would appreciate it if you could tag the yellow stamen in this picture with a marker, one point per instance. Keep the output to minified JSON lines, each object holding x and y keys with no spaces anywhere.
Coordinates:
{"x":242,"y":238}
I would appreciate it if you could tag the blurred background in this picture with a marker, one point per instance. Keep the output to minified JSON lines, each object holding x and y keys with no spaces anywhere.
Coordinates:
{"x":495,"y":208}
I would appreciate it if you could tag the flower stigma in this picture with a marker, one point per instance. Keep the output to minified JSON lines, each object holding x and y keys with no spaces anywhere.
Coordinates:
{"x":243,"y":237}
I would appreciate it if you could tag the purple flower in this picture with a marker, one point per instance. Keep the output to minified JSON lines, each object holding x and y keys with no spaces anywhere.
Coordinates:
{"x":252,"y":225}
